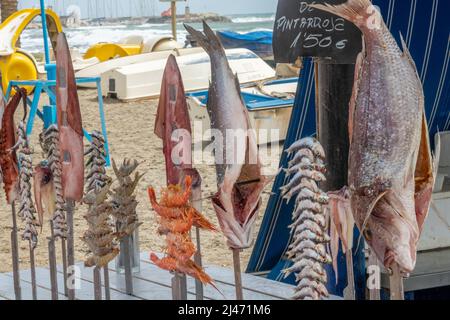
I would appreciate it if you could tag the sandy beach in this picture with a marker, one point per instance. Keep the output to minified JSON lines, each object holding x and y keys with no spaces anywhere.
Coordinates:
{"x":130,"y":134}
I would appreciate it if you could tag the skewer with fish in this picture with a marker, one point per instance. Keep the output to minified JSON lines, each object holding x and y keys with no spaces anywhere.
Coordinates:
{"x":238,"y":166}
{"x":309,"y":228}
{"x":70,"y":131}
{"x":391,"y":174}
{"x":123,"y":203}
{"x":10,"y":173}
{"x":27,"y":209}
{"x":100,"y":236}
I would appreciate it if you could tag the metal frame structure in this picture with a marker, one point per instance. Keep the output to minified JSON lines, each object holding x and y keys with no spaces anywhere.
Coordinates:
{"x":48,"y":114}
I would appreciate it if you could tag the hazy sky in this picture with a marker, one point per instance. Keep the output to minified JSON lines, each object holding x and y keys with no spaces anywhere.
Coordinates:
{"x":218,"y":6}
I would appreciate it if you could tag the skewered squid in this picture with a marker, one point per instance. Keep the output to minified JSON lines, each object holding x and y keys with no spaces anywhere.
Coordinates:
{"x":309,"y":228}
{"x":8,"y":157}
{"x":100,"y":236}
{"x":176,"y":218}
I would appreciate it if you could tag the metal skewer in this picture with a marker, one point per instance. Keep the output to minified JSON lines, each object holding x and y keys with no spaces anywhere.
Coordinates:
{"x":97,"y":284}
{"x":374,"y":293}
{"x":64,"y":261}
{"x":349,"y":291}
{"x":106,"y":283}
{"x":33,"y":272}
{"x":52,"y":263}
{"x":15,"y":254}
{"x":127,"y":265}
{"x":237,"y":274}
{"x":396,"y":284}
{"x":197,"y":204}
{"x":70,"y":205}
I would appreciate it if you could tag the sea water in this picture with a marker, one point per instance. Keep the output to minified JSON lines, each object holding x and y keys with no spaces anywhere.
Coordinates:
{"x":83,"y":37}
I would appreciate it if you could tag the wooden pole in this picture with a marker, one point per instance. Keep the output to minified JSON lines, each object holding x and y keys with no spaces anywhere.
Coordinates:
{"x":396,"y":284}
{"x":176,"y":287}
{"x":15,"y":254}
{"x":70,"y":206}
{"x":196,"y":199}
{"x":183,"y":286}
{"x":173,"y":10}
{"x":33,"y":272}
{"x":349,"y":291}
{"x":237,"y":274}
{"x":106,"y":283}
{"x":97,"y":284}
{"x":64,"y":261}
{"x":127,"y":265}
{"x":52,"y":264}
{"x":374,"y":293}
{"x":199,"y":294}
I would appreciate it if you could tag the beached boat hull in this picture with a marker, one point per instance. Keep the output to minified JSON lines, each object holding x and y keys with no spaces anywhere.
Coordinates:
{"x":143,"y":80}
{"x":98,"y":69}
{"x":269,"y":115}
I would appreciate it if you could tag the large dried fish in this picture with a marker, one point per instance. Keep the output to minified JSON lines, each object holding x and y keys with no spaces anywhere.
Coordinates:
{"x":69,"y":123}
{"x":390,"y":164}
{"x":238,"y":167}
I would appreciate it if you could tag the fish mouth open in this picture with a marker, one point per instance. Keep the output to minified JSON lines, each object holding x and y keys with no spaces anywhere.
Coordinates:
{"x":392,"y":233}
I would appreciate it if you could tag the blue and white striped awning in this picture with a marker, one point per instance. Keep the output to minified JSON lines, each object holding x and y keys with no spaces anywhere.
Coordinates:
{"x":426,"y":29}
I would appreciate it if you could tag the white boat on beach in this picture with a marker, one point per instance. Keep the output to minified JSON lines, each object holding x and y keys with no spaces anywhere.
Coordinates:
{"x":269,"y":105}
{"x":143,"y":80}
{"x":98,"y":69}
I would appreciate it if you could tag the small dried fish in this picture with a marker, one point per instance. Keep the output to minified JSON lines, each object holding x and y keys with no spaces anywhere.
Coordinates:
{"x":308,"y":248}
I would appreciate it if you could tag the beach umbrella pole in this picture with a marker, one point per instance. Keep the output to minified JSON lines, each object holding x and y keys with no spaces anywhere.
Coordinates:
{"x":70,"y":206}
{"x":237,"y":273}
{"x":15,"y":254}
{"x":52,"y":263}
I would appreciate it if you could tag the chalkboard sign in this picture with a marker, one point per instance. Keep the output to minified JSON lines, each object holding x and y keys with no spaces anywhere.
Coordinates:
{"x":302,"y":31}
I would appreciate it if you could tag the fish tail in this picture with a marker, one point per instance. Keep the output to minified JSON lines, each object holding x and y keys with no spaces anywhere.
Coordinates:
{"x":207,"y":39}
{"x":356,"y":11}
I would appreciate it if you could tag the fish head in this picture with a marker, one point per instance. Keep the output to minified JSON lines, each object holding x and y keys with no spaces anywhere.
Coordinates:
{"x":389,"y":227}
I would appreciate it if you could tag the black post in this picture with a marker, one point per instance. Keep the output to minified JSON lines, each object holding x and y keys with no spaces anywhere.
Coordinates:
{"x":334,"y":90}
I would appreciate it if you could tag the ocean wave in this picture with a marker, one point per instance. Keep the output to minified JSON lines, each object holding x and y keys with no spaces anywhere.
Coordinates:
{"x":82,"y":39}
{"x":253,"y":19}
